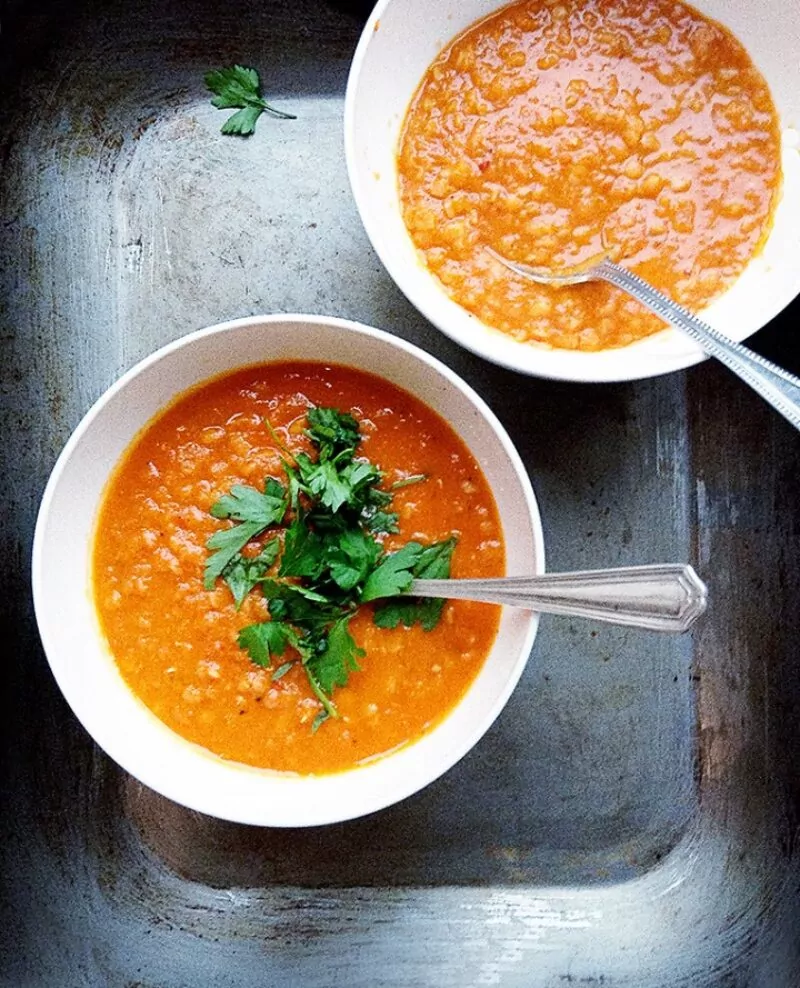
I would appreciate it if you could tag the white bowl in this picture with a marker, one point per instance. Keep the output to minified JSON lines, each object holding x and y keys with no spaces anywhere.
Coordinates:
{"x":79,"y":657}
{"x":401,"y":39}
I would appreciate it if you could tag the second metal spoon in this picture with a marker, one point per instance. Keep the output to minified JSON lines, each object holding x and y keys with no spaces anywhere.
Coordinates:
{"x":775,"y":385}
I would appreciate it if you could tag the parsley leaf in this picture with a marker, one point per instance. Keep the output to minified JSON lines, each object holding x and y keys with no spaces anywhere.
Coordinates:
{"x":265,"y":639}
{"x":281,"y":671}
{"x":350,"y":557}
{"x":254,"y":511}
{"x":243,"y":122}
{"x":295,"y":604}
{"x":332,"y":664}
{"x":381,"y":522}
{"x":302,"y":550}
{"x":414,"y":478}
{"x":239,"y":88}
{"x":332,"y":431}
{"x":247,"y":504}
{"x":242,"y":575}
{"x":373,"y":517}
{"x":394,"y":574}
{"x":228,"y":544}
{"x":433,"y":563}
{"x":322,"y":482}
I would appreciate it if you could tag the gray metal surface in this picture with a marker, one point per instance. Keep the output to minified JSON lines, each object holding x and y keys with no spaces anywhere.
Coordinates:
{"x":630,"y":820}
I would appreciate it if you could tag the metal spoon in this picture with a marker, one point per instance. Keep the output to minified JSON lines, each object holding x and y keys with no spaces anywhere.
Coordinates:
{"x":775,"y":385}
{"x":666,"y":597}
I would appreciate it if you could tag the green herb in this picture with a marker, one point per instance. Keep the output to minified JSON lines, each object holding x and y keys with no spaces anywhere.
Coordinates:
{"x":332,"y":664}
{"x":254,"y":511}
{"x":394,"y":574}
{"x":332,"y":432}
{"x":239,"y":88}
{"x":247,"y":504}
{"x":281,"y":671}
{"x":242,"y":575}
{"x":433,"y":563}
{"x":350,"y":557}
{"x":329,"y":560}
{"x":266,"y":639}
{"x":414,"y":478}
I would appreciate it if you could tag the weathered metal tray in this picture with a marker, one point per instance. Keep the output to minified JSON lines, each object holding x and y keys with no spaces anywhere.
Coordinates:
{"x":631,"y":819}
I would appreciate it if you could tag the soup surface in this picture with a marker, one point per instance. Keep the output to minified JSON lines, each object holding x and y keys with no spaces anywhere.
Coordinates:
{"x":175,"y":642}
{"x":555,"y":131}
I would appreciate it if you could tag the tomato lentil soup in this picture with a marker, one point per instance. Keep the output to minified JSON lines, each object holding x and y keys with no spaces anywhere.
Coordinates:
{"x":553,"y":132}
{"x":175,"y":642}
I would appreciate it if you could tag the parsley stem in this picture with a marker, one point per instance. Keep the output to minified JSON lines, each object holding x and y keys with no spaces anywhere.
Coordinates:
{"x":277,"y":113}
{"x":327,"y":704}
{"x":416,"y":478}
{"x":276,"y":439}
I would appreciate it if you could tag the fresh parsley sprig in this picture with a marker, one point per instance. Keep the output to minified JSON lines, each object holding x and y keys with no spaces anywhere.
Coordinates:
{"x":323,"y":558}
{"x":256,"y":512}
{"x":239,"y":88}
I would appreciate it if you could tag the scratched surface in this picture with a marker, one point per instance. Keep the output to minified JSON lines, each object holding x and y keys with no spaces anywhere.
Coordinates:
{"x":630,"y":820}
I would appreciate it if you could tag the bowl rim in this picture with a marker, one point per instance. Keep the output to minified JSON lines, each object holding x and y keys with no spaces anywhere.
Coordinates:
{"x":204,"y":800}
{"x":639,"y":360}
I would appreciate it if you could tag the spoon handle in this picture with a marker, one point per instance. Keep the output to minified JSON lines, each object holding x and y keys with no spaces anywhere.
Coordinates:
{"x":777,"y":386}
{"x":661,"y":597}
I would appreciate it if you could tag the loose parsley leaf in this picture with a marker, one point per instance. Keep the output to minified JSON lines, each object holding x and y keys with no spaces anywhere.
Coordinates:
{"x":394,"y":574}
{"x":433,"y":563}
{"x":239,"y":88}
{"x":235,"y":86}
{"x":242,"y":575}
{"x":332,"y":665}
{"x":228,"y":543}
{"x":265,"y":639}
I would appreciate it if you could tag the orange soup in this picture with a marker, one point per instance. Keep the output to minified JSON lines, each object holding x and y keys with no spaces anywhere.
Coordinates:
{"x":175,"y":641}
{"x":553,"y":131}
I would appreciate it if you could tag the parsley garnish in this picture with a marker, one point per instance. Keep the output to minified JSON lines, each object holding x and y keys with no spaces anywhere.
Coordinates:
{"x":242,"y":575}
{"x":433,"y":563}
{"x":240,"y":87}
{"x":327,"y":559}
{"x":255,"y":511}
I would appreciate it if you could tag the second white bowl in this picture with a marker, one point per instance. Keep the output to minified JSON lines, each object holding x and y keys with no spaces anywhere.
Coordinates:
{"x":402,"y":38}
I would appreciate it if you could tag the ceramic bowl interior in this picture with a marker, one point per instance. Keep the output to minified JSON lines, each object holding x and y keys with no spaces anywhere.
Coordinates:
{"x":401,"y":39}
{"x":78,"y":654}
